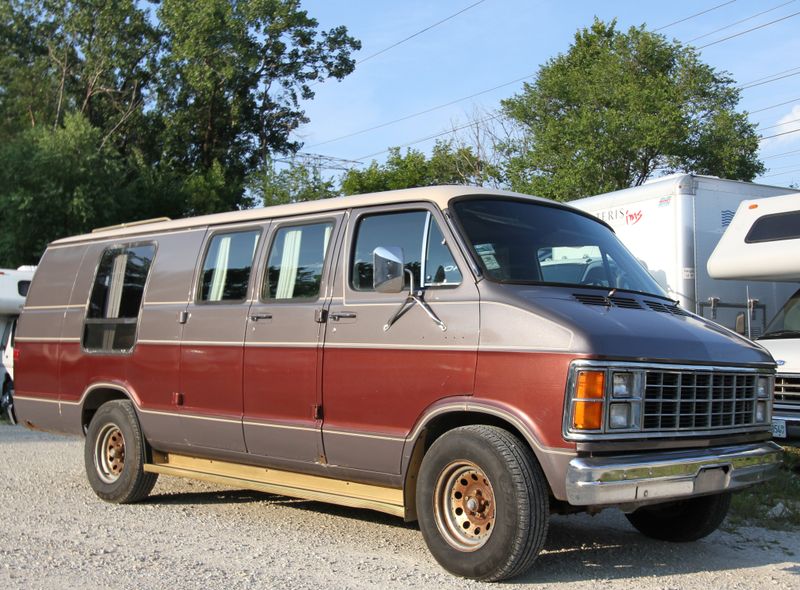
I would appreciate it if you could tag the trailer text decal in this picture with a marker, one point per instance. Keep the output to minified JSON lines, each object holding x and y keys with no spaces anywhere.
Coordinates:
{"x":612,"y":215}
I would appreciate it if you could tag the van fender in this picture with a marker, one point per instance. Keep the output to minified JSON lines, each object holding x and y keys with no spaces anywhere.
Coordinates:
{"x":464,"y":410}
{"x":93,"y":397}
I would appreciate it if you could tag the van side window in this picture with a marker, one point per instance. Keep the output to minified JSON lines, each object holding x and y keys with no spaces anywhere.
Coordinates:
{"x":116,"y":298}
{"x":294,"y":268}
{"x":424,"y":250}
{"x":227,"y":265}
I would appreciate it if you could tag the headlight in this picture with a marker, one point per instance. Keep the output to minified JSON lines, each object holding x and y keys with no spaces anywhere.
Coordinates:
{"x":619,"y":416}
{"x":623,"y":384}
{"x":761,"y":412}
{"x":763,"y":388}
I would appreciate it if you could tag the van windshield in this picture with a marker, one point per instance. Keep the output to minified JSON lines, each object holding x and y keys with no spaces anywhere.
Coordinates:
{"x":525,"y":242}
{"x":787,"y":323}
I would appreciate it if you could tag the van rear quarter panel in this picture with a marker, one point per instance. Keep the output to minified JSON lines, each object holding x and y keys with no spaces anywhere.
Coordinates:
{"x":40,"y":336}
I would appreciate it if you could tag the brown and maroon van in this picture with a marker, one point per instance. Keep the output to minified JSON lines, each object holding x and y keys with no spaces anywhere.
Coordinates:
{"x":469,"y":358}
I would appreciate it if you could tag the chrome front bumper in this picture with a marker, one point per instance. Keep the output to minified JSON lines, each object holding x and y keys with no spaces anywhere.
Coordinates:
{"x":661,"y":476}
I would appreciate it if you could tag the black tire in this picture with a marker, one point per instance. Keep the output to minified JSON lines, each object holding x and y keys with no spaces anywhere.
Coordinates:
{"x":7,"y":401}
{"x":682,"y":521}
{"x":114,"y":454}
{"x":494,"y":480}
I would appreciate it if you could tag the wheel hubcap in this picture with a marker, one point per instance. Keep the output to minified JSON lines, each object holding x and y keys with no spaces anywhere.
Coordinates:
{"x":464,"y":506}
{"x":109,"y":455}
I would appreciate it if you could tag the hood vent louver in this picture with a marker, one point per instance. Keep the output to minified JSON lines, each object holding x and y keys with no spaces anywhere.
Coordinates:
{"x":600,"y":300}
{"x":661,"y":308}
{"x":628,"y":303}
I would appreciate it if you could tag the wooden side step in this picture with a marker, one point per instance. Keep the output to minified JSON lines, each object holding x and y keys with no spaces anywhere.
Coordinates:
{"x":286,"y":483}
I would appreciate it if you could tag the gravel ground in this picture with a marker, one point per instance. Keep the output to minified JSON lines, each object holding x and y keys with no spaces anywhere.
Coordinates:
{"x":56,"y":534}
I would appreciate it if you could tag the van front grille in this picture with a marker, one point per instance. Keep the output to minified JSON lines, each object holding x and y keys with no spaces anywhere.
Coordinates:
{"x":787,"y":392}
{"x":695,"y":400}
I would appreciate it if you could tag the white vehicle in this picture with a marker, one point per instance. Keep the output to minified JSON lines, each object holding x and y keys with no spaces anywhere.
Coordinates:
{"x":13,"y":289}
{"x":763,"y":243}
{"x":672,"y":224}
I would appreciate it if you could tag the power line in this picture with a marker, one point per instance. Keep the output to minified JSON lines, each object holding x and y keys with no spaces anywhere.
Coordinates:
{"x":753,"y":85}
{"x":419,"y":113}
{"x":792,"y":69}
{"x":428,"y":28}
{"x":763,"y":137}
{"x":782,"y":154}
{"x":780,"y":173}
{"x":694,"y":15}
{"x":739,"y":34}
{"x":772,"y":106}
{"x":434,"y":136}
{"x":778,"y":125}
{"x":738,"y":22}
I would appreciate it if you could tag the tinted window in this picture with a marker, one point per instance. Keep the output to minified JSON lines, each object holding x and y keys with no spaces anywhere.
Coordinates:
{"x":408,"y":231}
{"x":22,"y":287}
{"x":227,"y":265}
{"x":294,"y":268}
{"x":525,"y":242}
{"x":772,"y":228}
{"x":116,"y":298}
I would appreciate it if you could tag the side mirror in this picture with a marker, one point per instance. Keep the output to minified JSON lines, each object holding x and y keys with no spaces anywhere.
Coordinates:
{"x":387,"y":269}
{"x":740,"y":324}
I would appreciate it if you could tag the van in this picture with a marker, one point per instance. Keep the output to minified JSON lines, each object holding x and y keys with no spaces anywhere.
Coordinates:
{"x":14,"y":286}
{"x":411,"y":352}
{"x":762,"y":243}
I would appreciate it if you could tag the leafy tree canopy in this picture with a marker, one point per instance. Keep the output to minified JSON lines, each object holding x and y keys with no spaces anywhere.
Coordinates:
{"x":617,"y":107}
{"x":446,"y":165}
{"x":168,"y":105}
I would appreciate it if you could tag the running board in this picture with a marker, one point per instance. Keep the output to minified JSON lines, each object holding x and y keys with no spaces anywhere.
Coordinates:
{"x":285,"y":483}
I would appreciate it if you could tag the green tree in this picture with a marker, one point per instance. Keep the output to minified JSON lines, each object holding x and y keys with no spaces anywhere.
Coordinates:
{"x":294,"y":183}
{"x":617,"y":107}
{"x":446,"y":165}
{"x":231,"y":81}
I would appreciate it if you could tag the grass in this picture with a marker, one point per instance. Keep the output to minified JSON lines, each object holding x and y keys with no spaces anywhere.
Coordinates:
{"x":752,"y":506}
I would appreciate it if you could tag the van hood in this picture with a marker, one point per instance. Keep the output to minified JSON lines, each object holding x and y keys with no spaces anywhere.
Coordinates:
{"x":630,"y":326}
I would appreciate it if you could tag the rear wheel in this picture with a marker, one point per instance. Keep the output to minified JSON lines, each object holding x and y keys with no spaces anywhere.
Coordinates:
{"x":115,"y":454}
{"x":7,"y":401}
{"x":682,"y":521}
{"x":483,"y":503}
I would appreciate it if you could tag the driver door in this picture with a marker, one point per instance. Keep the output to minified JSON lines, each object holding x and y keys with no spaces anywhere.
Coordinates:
{"x":377,"y":381}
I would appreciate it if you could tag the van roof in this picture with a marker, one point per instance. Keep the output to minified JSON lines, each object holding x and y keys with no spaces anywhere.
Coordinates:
{"x":441,"y":195}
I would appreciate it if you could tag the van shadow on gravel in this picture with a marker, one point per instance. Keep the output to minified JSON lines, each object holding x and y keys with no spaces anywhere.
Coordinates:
{"x":578,"y":547}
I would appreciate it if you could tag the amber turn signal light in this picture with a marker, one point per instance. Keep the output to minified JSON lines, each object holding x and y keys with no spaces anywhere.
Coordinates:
{"x":591,"y":385}
{"x":587,"y":416}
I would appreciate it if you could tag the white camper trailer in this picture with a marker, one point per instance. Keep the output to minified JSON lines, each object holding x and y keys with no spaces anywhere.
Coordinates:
{"x":13,"y":289}
{"x":763,"y":243}
{"x":672,"y":224}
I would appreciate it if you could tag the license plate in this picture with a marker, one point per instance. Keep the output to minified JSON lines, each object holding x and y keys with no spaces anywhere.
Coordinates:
{"x":779,"y":428}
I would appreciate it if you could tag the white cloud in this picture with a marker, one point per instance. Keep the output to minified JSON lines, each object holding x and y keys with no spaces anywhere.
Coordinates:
{"x":780,"y":130}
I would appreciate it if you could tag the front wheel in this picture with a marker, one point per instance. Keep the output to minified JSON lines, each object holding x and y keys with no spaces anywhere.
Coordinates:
{"x":684,"y":520}
{"x":483,"y":503}
{"x":114,"y":454}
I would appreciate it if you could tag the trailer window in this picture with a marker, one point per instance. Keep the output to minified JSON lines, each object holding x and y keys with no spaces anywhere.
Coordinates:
{"x":773,"y":228}
{"x":294,"y":270}
{"x":113,"y":314}
{"x":226,"y":268}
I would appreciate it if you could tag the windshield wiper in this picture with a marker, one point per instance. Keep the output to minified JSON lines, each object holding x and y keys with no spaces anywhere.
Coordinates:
{"x":781,"y":334}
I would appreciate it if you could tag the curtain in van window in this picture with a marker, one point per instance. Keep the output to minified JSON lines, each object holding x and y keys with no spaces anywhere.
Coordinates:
{"x":220,"y":269}
{"x":289,"y":262}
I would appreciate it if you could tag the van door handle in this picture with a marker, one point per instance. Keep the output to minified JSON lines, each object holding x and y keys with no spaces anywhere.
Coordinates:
{"x":343,"y":315}
{"x":260,"y":316}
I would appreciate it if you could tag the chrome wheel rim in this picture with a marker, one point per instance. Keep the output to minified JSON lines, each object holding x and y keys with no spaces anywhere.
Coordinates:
{"x":464,"y":506}
{"x":109,"y":453}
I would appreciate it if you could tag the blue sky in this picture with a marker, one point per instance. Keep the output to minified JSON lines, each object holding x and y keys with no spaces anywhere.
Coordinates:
{"x":498,"y":41}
